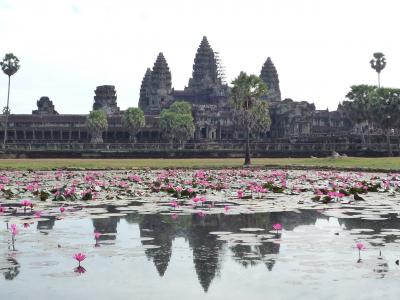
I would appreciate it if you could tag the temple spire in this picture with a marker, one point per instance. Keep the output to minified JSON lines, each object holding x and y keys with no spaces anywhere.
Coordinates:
{"x":205,"y":69}
{"x":161,"y":76}
{"x":145,"y":90}
{"x":157,"y":86}
{"x":270,"y":76}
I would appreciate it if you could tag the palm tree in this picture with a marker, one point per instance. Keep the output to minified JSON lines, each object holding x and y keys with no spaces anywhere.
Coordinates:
{"x":251,"y":111}
{"x":133,"y":119}
{"x":10,"y":66}
{"x":378,"y":63}
{"x":96,"y":122}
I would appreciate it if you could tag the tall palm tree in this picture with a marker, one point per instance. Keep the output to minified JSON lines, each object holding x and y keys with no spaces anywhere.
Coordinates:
{"x":10,"y":66}
{"x":249,"y":108}
{"x":133,"y":119}
{"x":378,"y":63}
{"x":96,"y":123}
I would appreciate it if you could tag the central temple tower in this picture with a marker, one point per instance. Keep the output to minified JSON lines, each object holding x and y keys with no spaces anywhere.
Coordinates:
{"x":205,"y":86}
{"x":205,"y":69}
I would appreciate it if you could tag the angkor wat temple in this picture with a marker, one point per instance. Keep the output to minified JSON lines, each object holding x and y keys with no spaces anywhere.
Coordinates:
{"x":297,"y":129}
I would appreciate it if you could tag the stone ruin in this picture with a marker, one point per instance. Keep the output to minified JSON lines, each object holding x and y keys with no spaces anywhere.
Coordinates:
{"x":45,"y":107}
{"x":106,"y":99}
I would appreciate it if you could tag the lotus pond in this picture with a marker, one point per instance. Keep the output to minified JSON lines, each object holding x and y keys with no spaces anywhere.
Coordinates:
{"x":199,"y":234}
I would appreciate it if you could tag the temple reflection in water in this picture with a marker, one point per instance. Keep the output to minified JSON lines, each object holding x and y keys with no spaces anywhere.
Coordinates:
{"x":157,"y":233}
{"x":207,"y":250}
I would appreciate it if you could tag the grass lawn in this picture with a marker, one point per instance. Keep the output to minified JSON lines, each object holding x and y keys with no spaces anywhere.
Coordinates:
{"x":384,"y":163}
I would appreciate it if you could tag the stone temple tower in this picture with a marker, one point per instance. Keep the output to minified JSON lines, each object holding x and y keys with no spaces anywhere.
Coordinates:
{"x":270,"y":76}
{"x":205,"y":69}
{"x":145,"y":91}
{"x":45,"y":107}
{"x":156,"y":87}
{"x":106,"y":99}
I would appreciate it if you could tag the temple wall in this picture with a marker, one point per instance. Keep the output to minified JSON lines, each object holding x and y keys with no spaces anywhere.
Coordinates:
{"x":193,"y":150}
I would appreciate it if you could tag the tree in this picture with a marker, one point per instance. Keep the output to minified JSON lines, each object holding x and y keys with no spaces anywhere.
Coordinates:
{"x":358,"y":106}
{"x":177,"y":122}
{"x":133,"y":119}
{"x":249,"y":109}
{"x":378,"y":63}
{"x":10,"y":66}
{"x":181,"y":107}
{"x":96,"y":122}
{"x":386,"y":109}
{"x":380,"y":106}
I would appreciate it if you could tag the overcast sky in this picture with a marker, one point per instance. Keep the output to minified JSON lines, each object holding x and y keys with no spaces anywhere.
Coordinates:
{"x":68,"y":47}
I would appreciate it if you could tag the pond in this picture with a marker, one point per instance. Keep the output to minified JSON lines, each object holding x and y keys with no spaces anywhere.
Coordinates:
{"x":215,"y":242}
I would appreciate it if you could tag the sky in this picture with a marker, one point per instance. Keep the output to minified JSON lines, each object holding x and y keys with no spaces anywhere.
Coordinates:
{"x":68,"y":47}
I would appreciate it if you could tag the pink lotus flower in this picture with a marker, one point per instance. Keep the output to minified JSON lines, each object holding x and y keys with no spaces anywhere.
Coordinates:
{"x":360,"y":246}
{"x":62,"y":209}
{"x":135,"y":178}
{"x":277,"y":227}
{"x":123,"y":184}
{"x":14,"y":230}
{"x":25,"y":203}
{"x":200,"y":174}
{"x":386,"y":184}
{"x":69,"y":192}
{"x":38,"y":214}
{"x":174,"y":204}
{"x":32,"y":187}
{"x":79,"y":257}
{"x":178,"y":189}
{"x":240,"y":194}
{"x":2,"y":209}
{"x":97,"y":235}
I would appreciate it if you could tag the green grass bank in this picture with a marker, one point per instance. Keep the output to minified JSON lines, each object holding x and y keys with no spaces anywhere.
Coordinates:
{"x":357,"y":163}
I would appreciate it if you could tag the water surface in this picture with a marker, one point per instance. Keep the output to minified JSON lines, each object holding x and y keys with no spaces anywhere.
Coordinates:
{"x":219,"y":256}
